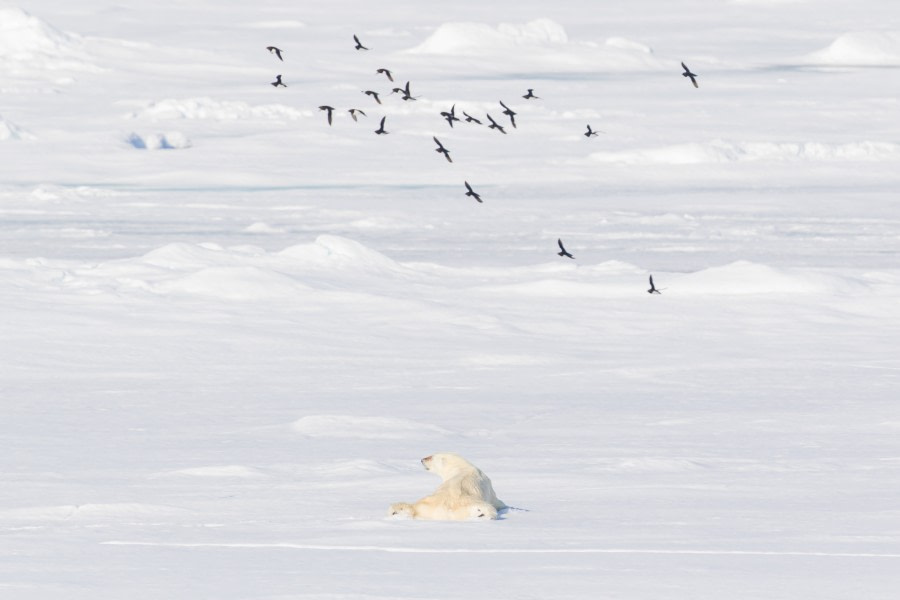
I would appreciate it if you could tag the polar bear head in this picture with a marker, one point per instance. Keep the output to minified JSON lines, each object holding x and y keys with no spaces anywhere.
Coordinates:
{"x":447,"y":465}
{"x":402,"y":510}
{"x":482,"y":511}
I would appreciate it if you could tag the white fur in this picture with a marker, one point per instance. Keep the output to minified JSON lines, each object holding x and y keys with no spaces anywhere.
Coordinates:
{"x":465,"y":493}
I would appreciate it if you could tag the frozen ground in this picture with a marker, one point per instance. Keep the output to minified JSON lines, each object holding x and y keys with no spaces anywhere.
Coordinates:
{"x":230,"y":331}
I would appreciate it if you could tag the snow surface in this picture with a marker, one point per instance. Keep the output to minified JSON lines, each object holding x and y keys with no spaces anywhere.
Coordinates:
{"x":221,"y":364}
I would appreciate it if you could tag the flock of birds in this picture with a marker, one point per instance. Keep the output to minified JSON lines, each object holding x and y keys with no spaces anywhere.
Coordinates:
{"x":450,"y":117}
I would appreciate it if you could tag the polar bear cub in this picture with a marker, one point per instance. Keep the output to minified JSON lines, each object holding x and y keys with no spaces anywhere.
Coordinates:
{"x":465,"y":493}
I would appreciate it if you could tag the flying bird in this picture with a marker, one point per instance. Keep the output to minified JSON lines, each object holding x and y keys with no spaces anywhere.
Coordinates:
{"x":278,"y":82}
{"x":508,"y":111}
{"x":530,"y":95}
{"x":441,"y":149}
{"x":687,"y":73}
{"x":327,"y":109}
{"x":359,"y":45}
{"x":590,"y":132}
{"x":380,"y":129}
{"x":653,"y":289}
{"x":494,"y":125}
{"x":386,"y":74}
{"x":275,"y":51}
{"x":470,"y":118}
{"x":450,"y":116}
{"x":353,"y":112}
{"x":373,"y":94}
{"x":406,"y":93}
{"x":471,"y":192}
{"x":563,"y":251}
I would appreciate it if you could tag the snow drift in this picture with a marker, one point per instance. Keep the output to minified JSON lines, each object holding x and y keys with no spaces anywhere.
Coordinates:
{"x":860,"y":48}
{"x":172,"y":140}
{"x":29,"y":44}
{"x":11,"y":131}
{"x":541,"y":43}
{"x":721,"y":151}
{"x":217,"y":110}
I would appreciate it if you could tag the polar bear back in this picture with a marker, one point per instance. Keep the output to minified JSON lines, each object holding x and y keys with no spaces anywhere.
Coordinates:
{"x":462,"y":481}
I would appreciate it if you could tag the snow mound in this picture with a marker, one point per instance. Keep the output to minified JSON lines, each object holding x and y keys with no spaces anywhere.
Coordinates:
{"x":243,"y":283}
{"x":260,"y":227}
{"x":251,"y":273}
{"x":22,"y":36}
{"x":743,"y":277}
{"x":720,"y":151}
{"x":219,"y":110}
{"x":11,"y":131}
{"x":475,"y":38}
{"x":626,"y":44}
{"x":368,"y":428}
{"x":332,"y":251}
{"x":172,"y":140}
{"x":861,"y":48}
{"x":541,"y":43}
{"x":28,"y":44}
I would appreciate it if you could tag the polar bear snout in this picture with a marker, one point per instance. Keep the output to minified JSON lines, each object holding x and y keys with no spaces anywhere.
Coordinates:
{"x":426,"y":461}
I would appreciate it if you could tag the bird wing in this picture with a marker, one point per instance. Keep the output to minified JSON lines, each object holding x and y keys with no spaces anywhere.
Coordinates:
{"x":356,"y":39}
{"x":469,"y":187}
{"x":561,"y":247}
{"x":684,"y":66}
{"x":438,"y":142}
{"x":651,"y":283}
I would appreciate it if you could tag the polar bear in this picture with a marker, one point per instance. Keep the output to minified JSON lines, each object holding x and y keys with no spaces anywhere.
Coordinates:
{"x":465,"y":493}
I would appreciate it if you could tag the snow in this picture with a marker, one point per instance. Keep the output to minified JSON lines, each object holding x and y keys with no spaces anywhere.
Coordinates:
{"x":11,"y":131}
{"x":221,"y":364}
{"x":860,"y":48}
{"x":722,"y":151}
{"x":172,"y":140}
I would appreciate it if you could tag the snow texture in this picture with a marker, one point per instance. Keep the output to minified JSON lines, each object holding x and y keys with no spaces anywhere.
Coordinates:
{"x":221,"y":365}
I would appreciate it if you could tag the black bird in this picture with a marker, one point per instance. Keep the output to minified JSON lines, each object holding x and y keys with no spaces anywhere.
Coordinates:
{"x":470,"y":118}
{"x":450,"y":116}
{"x":359,"y":45}
{"x":653,"y":289}
{"x":590,"y":132}
{"x":471,"y":192}
{"x":278,"y":82}
{"x":354,"y":111}
{"x":563,"y":252}
{"x":687,"y":73}
{"x":380,"y":129}
{"x":494,"y":125}
{"x":530,"y":95}
{"x":275,"y":51}
{"x":386,"y":73}
{"x":508,"y":111}
{"x":406,"y":93}
{"x":327,"y":109}
{"x":441,"y":149}
{"x":373,"y":94}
